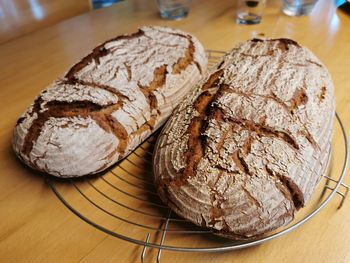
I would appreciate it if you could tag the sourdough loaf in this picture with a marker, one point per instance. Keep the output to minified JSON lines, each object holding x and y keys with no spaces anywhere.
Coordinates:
{"x":109,"y":102}
{"x":248,"y":147}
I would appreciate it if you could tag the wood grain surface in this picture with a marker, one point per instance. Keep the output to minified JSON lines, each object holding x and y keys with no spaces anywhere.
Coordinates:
{"x":36,"y":227}
{"x":20,"y":17}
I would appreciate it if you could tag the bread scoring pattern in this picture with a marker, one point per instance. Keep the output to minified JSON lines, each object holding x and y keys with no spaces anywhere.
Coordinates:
{"x":109,"y":102}
{"x":247,"y":149}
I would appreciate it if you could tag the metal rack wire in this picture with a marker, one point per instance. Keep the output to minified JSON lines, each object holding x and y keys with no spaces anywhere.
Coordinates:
{"x":122,"y":202}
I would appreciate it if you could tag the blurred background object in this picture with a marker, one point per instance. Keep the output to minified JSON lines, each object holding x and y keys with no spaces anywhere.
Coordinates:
{"x":20,"y":17}
{"x":250,"y":12}
{"x":173,"y":9}
{"x":344,"y":6}
{"x":96,"y":4}
{"x":298,"y":7}
{"x":340,"y":2}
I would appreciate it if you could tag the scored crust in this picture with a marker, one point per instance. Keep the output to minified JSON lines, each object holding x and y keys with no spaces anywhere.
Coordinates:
{"x":109,"y":102}
{"x":248,"y":148}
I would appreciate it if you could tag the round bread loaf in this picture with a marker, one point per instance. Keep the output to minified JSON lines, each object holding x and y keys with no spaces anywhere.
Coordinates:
{"x":248,"y":147}
{"x":109,"y":102}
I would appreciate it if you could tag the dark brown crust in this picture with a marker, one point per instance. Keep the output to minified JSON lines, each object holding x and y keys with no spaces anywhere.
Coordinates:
{"x":288,"y":188}
{"x":256,"y":40}
{"x":20,"y":120}
{"x":213,"y":80}
{"x":299,"y":98}
{"x":195,"y":143}
{"x":195,"y":147}
{"x":159,"y":79}
{"x":322,"y":94}
{"x":286,"y":41}
{"x":186,"y":60}
{"x":282,"y":42}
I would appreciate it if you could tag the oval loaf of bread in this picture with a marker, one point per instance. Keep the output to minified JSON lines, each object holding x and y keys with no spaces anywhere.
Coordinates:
{"x":248,"y":147}
{"x":109,"y":102}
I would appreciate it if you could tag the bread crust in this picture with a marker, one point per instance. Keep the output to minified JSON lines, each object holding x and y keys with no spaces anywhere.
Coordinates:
{"x":109,"y":102}
{"x":247,"y":149}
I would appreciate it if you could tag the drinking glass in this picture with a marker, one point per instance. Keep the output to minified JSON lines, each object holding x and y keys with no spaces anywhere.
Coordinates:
{"x":298,"y":7}
{"x":250,"y":12}
{"x":174,"y":9}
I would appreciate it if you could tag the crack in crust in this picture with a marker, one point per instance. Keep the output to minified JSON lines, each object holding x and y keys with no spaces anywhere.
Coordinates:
{"x":213,"y":80}
{"x":259,"y":128}
{"x":84,"y":109}
{"x":195,"y":143}
{"x":262,"y":130}
{"x":282,"y":42}
{"x":241,"y":163}
{"x":197,"y":125}
{"x":159,"y":79}
{"x":74,"y":81}
{"x":251,"y":197}
{"x":299,"y":98}
{"x":97,"y":53}
{"x":288,"y":188}
{"x":322,"y":94}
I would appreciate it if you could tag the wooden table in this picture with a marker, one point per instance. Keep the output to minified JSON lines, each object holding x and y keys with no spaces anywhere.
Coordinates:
{"x":36,"y":227}
{"x":20,"y":17}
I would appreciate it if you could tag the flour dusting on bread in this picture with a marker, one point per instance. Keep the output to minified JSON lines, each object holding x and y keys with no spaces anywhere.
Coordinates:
{"x":109,"y":102}
{"x":248,"y":148}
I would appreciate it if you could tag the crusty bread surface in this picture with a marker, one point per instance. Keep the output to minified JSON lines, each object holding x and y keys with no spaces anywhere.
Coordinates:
{"x":109,"y":102}
{"x":246,"y":150}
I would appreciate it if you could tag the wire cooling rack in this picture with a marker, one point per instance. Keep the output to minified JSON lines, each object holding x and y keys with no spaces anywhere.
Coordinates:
{"x":122,"y":201}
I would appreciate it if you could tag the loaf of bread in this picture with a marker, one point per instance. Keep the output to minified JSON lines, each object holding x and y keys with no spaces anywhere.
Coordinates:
{"x":246,"y":150}
{"x":109,"y":102}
